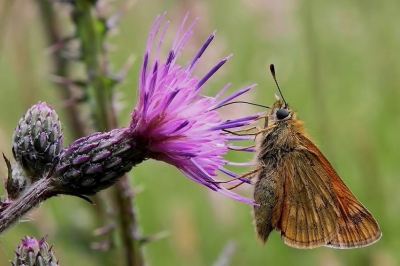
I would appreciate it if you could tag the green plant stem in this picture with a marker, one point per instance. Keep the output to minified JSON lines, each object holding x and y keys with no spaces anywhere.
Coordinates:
{"x":60,"y":63}
{"x":91,"y":32}
{"x":130,"y":233}
{"x":54,"y":35}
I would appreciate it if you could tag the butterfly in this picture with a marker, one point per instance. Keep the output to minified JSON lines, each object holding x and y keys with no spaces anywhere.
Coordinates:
{"x":299,"y":193}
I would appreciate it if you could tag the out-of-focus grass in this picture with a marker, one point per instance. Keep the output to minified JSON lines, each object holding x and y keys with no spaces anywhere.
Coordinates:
{"x":337,"y":63}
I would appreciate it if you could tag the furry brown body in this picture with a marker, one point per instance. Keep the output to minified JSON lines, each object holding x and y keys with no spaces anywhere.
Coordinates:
{"x":300,"y":194}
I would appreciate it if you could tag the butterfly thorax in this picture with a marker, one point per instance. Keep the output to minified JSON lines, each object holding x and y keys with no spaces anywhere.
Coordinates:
{"x":280,"y":136}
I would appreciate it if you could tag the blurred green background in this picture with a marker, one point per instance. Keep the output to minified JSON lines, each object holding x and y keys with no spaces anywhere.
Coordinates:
{"x":338,"y":65}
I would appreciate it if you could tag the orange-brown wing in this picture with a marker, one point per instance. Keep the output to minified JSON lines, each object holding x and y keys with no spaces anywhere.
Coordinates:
{"x":310,"y":212}
{"x":357,"y":227}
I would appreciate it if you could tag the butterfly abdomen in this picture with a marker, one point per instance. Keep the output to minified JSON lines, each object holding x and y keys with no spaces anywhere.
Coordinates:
{"x":268,"y":193}
{"x":273,"y":146}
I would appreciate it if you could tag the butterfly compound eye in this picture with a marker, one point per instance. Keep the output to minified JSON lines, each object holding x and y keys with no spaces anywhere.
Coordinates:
{"x":282,"y":113}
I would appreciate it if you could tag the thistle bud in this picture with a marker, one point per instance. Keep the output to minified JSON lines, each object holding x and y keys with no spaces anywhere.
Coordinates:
{"x":34,"y":253}
{"x":95,"y":162}
{"x":37,"y":139}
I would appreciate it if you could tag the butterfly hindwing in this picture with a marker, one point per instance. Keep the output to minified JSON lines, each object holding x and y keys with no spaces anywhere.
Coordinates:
{"x":357,"y":227}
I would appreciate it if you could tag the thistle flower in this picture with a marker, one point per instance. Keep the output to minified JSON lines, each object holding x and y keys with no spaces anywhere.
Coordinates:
{"x":37,"y":139}
{"x":172,"y":122}
{"x":180,"y":126}
{"x":34,"y":253}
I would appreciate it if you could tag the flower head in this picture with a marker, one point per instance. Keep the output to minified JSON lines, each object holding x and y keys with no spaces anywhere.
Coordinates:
{"x":32,"y":252}
{"x":177,"y":124}
{"x":37,"y":139}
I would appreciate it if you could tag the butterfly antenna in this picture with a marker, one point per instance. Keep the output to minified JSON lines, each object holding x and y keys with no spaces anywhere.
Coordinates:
{"x":254,"y":104}
{"x":272,"y":69}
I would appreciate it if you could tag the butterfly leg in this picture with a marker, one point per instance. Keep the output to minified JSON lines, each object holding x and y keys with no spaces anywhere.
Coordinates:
{"x":245,"y":130}
{"x":250,"y":173}
{"x":241,"y":148}
{"x":261,"y":117}
{"x":262,"y":130}
{"x":236,"y":178}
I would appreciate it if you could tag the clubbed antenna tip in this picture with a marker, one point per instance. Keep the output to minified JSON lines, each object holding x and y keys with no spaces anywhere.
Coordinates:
{"x":272,"y":69}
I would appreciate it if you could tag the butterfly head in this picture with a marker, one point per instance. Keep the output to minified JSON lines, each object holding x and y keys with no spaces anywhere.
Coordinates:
{"x":279,"y":111}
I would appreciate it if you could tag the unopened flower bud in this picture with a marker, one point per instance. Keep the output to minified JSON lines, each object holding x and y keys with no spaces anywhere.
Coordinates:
{"x":95,"y":162}
{"x":37,"y":139}
{"x":34,"y":253}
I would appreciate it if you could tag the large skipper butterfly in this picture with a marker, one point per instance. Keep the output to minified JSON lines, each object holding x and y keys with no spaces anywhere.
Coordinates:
{"x":298,"y":192}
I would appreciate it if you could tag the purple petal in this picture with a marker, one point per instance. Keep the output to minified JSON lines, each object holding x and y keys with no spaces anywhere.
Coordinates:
{"x":233,"y":96}
{"x":202,"y":49}
{"x":232,"y":174}
{"x":211,"y":72}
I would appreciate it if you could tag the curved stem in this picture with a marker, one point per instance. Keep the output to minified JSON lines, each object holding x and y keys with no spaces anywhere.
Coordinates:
{"x":37,"y":193}
{"x":54,"y":35}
